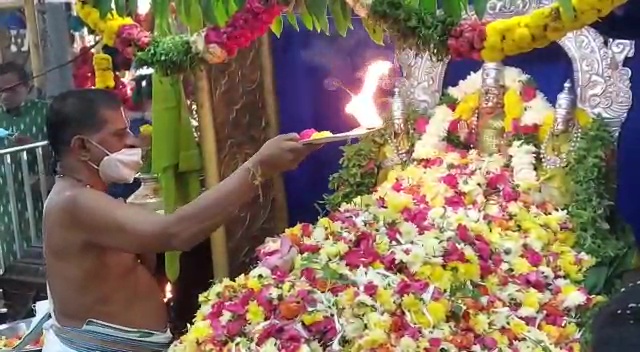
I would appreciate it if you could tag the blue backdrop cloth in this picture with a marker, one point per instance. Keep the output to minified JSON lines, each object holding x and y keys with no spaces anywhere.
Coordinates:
{"x":308,"y":64}
{"x":309,"y":67}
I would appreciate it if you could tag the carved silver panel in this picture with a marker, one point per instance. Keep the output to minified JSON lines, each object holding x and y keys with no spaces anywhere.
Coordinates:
{"x":602,"y":82}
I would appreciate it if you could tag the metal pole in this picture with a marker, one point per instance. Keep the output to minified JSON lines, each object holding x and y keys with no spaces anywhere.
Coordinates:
{"x":208,"y":144}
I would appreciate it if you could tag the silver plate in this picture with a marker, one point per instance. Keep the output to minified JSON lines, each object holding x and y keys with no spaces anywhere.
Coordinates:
{"x":17,"y":328}
{"x":356,"y":133}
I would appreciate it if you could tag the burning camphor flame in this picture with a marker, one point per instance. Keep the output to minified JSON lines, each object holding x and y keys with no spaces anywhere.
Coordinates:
{"x":168,"y":294}
{"x":362,"y":105}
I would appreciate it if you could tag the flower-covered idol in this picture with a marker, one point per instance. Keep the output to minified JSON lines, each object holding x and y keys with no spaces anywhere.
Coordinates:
{"x":458,"y":251}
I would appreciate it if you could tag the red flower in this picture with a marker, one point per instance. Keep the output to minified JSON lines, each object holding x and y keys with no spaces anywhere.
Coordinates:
{"x":528,"y":93}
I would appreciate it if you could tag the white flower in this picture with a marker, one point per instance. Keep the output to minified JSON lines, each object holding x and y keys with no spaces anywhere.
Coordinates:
{"x":523,"y":163}
{"x":574,"y":299}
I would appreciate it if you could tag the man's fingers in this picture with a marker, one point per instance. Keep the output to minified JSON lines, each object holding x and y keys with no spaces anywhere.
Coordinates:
{"x":294,"y":137}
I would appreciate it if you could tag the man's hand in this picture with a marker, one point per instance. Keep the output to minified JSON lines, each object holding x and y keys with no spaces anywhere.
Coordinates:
{"x":21,"y":139}
{"x":280,"y":154}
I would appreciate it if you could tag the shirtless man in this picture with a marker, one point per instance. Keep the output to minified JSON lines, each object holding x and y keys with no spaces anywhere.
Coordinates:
{"x":97,"y":285}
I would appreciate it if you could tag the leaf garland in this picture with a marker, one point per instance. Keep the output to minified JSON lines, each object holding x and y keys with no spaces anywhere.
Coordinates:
{"x":171,"y":55}
{"x":414,"y":27}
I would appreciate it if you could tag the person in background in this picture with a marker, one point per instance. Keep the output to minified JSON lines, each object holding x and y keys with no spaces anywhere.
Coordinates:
{"x":22,"y":122}
{"x":616,"y":326}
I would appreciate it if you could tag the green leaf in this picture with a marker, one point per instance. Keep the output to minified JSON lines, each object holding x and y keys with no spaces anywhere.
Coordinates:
{"x":430,"y":6}
{"x":160,"y":10}
{"x":276,"y":26}
{"x":453,"y":8}
{"x":341,"y":13}
{"x":480,"y":8}
{"x":375,"y":33}
{"x":103,"y":7}
{"x":220,"y":11}
{"x":566,"y":9}
{"x":208,"y":12}
{"x":232,"y":7}
{"x":318,"y":11}
{"x":120,"y":6}
{"x":595,"y":279}
{"x":305,"y":16}
{"x":293,"y":20}
{"x":190,"y":14}
{"x":132,"y":7}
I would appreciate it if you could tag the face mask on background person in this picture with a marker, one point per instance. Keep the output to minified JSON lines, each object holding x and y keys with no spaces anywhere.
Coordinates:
{"x":119,"y":167}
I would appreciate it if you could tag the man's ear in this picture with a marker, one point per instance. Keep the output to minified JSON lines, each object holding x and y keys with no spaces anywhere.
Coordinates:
{"x":80,"y":146}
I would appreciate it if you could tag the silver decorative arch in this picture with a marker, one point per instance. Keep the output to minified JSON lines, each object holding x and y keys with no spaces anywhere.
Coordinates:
{"x":603,"y":84}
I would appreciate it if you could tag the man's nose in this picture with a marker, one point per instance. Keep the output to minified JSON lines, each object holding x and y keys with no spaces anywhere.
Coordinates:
{"x":133,"y":141}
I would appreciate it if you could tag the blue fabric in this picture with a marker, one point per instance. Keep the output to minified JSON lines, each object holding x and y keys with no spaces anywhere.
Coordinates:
{"x":124,"y":191}
{"x":622,"y":22}
{"x":306,"y":65}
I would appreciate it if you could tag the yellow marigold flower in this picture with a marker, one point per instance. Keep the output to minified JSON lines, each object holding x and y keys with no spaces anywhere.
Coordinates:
{"x":489,"y":55}
{"x":551,"y":331}
{"x":313,"y":317}
{"x":374,"y":338}
{"x":146,"y":130}
{"x":411,"y":303}
{"x":523,"y":37}
{"x":200,"y":331}
{"x":518,"y":327}
{"x":530,"y":299}
{"x":385,"y":299}
{"x":397,"y":202}
{"x":255,"y":313}
{"x":521,"y":266}
{"x":438,"y":311}
{"x":254,"y":284}
{"x":479,"y":323}
{"x":467,"y":107}
{"x":513,"y":107}
{"x":496,"y":28}
{"x":583,"y":118}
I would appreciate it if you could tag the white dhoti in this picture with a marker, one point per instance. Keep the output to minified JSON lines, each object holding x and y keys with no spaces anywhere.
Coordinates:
{"x":97,"y":336}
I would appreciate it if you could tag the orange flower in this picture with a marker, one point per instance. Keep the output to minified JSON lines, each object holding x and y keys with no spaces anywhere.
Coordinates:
{"x":290,"y":310}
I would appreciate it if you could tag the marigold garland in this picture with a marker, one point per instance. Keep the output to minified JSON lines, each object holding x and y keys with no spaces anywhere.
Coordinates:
{"x":103,"y":70}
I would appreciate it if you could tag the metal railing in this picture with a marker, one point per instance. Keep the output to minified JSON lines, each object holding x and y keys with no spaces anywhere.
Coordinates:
{"x":21,"y":190}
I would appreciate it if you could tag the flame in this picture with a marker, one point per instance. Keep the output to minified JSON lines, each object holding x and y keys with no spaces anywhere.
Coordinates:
{"x":167,"y":292}
{"x":362,"y":105}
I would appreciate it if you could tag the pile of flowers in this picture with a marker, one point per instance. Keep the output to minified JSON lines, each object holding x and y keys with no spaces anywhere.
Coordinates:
{"x":447,"y":254}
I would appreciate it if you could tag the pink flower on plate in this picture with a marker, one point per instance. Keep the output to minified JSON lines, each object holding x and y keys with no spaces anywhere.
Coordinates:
{"x":498,"y":181}
{"x":454,"y":254}
{"x":235,"y":307}
{"x":455,"y":201}
{"x":509,"y":194}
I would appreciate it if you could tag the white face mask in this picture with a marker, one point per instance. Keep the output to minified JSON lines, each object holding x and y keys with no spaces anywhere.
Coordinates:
{"x":119,"y":167}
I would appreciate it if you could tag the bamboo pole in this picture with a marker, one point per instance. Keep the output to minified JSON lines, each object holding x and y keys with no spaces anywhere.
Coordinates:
{"x":271,"y":107}
{"x":33,"y":35}
{"x":208,"y":144}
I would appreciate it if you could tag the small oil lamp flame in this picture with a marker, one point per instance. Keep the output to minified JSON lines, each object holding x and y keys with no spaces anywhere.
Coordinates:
{"x":168,"y":294}
{"x":362,"y":106}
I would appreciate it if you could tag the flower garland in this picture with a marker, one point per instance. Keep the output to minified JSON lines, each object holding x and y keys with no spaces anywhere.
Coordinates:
{"x":103,"y":71}
{"x":217,"y":45}
{"x":177,"y":54}
{"x":122,"y":33}
{"x":520,"y":34}
{"x":440,"y":33}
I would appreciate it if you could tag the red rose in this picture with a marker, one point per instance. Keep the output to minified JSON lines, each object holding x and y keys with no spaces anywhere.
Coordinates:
{"x":528,"y":93}
{"x":528,"y":129}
